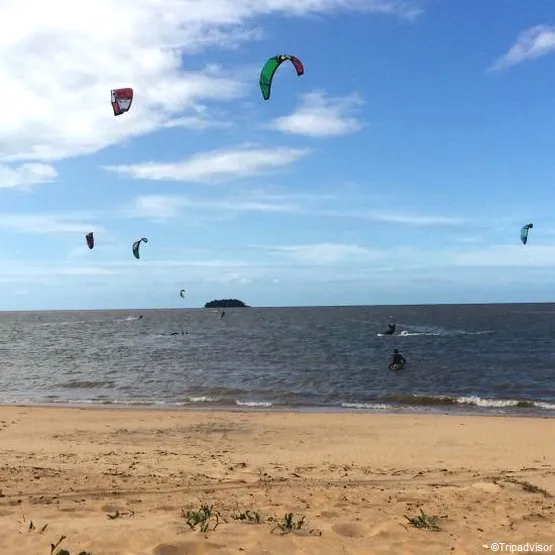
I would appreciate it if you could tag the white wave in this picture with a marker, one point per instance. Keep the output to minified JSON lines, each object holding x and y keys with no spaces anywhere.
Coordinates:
{"x":253,"y":403}
{"x":501,"y":403}
{"x":129,"y":402}
{"x":67,"y":322}
{"x":380,"y":406}
{"x":203,"y":399}
{"x":406,"y":333}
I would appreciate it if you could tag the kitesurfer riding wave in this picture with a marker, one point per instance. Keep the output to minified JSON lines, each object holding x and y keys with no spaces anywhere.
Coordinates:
{"x":391,"y":329}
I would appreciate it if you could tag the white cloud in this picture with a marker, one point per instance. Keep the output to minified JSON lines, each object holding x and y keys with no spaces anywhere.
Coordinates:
{"x":414,"y":260}
{"x":46,"y":224}
{"x":325,"y":253}
{"x":197,"y":123}
{"x":239,"y":205}
{"x":207,"y":166}
{"x":26,"y":175}
{"x":161,"y":207}
{"x":308,"y":265}
{"x":165,"y":264}
{"x":58,"y":63}
{"x":201,"y":119}
{"x":386,"y":216}
{"x":151,"y":272}
{"x":532,"y":43}
{"x":321,"y":116}
{"x":232,"y":277}
{"x":13,"y":270}
{"x":164,"y":207}
{"x":529,"y":256}
{"x":86,"y":271}
{"x":469,"y":239}
{"x":155,"y":206}
{"x":408,"y":219}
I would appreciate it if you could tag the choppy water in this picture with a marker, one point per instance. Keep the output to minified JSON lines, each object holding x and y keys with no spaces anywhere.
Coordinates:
{"x":496,"y":358}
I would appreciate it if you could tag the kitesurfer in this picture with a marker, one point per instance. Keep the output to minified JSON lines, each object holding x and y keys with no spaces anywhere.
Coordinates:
{"x":222,"y":314}
{"x":397,"y":361}
{"x":177,"y":333}
{"x":391,"y":329}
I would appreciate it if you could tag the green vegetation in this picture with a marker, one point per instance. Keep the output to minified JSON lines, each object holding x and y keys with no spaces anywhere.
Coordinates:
{"x":425,"y":521}
{"x":203,"y":517}
{"x":225,"y":303}
{"x":247,"y":516}
{"x":527,"y":486}
{"x":288,"y":524}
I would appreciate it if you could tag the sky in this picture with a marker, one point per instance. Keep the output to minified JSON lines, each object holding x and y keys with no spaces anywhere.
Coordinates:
{"x":398,"y":169}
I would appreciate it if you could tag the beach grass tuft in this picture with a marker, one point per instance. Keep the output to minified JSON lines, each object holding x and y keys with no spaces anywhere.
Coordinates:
{"x":249,"y":516}
{"x":424,"y":521}
{"x":119,"y":514}
{"x":288,"y":523}
{"x":53,"y":546}
{"x":527,"y":486}
{"x":203,"y":517}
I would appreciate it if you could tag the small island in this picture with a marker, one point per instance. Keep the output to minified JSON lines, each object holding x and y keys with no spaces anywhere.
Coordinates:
{"x":225,"y":303}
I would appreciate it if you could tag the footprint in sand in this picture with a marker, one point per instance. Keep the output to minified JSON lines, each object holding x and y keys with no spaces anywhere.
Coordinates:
{"x":488,"y":487}
{"x":187,"y":548}
{"x":349,"y":529}
{"x":329,"y":514}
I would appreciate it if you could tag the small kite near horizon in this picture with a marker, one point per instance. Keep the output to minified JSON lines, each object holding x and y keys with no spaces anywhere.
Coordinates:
{"x":90,"y":239}
{"x":524,"y":232}
{"x":136,"y":246}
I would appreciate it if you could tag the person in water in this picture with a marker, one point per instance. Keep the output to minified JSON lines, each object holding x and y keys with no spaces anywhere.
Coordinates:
{"x":176,"y":333}
{"x":391,"y":329}
{"x":397,"y":360}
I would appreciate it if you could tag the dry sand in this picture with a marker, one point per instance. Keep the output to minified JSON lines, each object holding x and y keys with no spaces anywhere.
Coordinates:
{"x":354,"y":477}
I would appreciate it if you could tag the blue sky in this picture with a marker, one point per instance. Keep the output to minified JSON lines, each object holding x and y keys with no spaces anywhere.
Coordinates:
{"x":398,"y":169}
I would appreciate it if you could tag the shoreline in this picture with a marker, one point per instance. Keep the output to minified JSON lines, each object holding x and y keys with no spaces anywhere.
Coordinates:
{"x":427,"y":410}
{"x":118,"y":481}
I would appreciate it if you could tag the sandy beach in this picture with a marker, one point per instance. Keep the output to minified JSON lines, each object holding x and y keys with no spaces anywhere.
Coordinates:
{"x":121,"y":482}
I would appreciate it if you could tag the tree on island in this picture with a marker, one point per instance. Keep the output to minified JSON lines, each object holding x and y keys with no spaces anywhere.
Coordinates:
{"x":225,"y":303}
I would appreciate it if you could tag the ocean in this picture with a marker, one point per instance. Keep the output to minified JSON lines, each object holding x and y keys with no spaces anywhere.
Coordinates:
{"x":460,"y":358}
